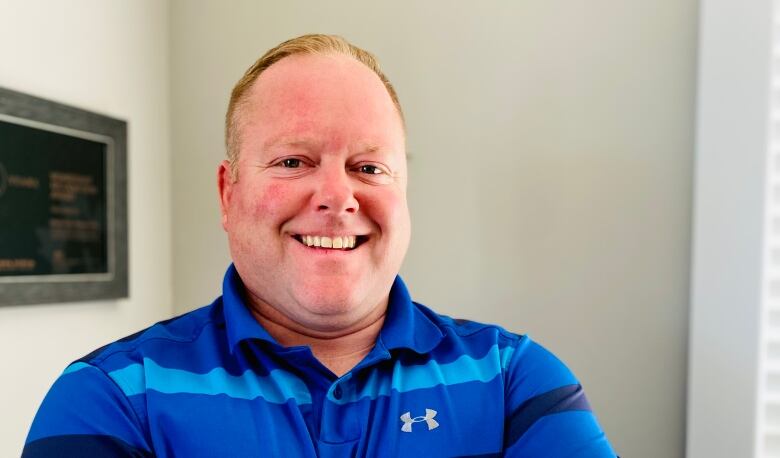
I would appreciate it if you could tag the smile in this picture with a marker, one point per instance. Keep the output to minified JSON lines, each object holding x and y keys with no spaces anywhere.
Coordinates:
{"x":346,"y":242}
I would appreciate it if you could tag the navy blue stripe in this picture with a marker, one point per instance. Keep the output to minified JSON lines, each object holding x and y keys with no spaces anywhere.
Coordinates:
{"x":79,"y":445}
{"x":563,"y":399}
{"x":88,"y":358}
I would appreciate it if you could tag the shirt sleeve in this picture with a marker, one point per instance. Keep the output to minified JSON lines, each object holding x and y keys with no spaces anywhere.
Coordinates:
{"x":86,"y":414}
{"x":547,"y":414}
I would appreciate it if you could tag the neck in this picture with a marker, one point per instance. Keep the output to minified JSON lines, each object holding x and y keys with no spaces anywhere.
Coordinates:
{"x":339,"y":350}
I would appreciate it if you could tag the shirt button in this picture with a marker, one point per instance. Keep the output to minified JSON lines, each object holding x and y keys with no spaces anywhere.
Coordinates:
{"x":337,"y":392}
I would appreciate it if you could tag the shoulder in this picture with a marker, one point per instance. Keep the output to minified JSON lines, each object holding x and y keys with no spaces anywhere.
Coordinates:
{"x":467,"y":329}
{"x":521,"y":358}
{"x":159,"y":341}
{"x":99,"y":402}
{"x":545,"y":410}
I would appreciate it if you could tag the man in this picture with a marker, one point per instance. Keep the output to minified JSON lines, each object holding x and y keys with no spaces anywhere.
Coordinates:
{"x":315,"y":348}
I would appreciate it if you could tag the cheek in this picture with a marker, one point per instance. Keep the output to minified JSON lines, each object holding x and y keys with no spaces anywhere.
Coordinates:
{"x":256,"y":212}
{"x":262,"y":203}
{"x":388,"y":209}
{"x":255,"y":215}
{"x":270,"y":200}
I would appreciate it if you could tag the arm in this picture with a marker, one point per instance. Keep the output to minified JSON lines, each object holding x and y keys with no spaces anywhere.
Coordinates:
{"x":547,"y":414}
{"x":86,"y":414}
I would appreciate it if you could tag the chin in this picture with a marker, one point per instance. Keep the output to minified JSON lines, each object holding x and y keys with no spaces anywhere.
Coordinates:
{"x":327,"y":304}
{"x":331,"y":301}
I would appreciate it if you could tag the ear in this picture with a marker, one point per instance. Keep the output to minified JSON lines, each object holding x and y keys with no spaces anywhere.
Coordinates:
{"x":225,"y":188}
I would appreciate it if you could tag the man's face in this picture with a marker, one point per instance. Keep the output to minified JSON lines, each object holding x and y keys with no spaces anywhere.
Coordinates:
{"x":322,"y":156}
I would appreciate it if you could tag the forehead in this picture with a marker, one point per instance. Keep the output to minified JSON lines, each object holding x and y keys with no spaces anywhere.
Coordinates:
{"x":328,"y":94}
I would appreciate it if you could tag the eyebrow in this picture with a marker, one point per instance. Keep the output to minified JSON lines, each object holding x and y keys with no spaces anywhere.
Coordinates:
{"x":309,"y":143}
{"x":289,"y":141}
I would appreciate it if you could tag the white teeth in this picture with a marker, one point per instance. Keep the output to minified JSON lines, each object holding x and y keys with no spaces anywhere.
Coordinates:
{"x":336,"y":243}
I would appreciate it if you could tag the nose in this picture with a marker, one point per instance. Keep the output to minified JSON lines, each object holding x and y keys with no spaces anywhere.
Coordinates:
{"x":335,"y":193}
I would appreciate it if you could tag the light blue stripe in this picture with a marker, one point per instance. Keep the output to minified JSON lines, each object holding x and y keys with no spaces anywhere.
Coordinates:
{"x":506,"y":356}
{"x":276,"y":387}
{"x":131,"y":379}
{"x":408,"y":378}
{"x":75,"y":367}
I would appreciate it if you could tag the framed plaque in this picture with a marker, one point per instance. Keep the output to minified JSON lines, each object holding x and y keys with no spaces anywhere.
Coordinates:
{"x":63,"y":202}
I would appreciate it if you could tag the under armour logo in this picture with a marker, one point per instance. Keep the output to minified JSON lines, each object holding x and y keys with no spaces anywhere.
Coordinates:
{"x":428,"y":418}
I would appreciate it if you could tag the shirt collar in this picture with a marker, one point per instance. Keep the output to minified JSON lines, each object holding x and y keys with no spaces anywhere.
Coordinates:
{"x":239,"y":322}
{"x":405,"y":326}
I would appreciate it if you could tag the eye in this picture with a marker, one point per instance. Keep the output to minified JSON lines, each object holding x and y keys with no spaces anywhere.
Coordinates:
{"x":372,"y":173}
{"x":290,"y":163}
{"x":370,"y":169}
{"x":291,"y":166}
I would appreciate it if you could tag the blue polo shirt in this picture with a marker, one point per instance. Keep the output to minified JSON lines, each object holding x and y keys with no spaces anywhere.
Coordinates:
{"x":214,"y":383}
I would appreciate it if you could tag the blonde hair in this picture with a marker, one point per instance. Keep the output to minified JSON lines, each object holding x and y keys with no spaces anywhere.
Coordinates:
{"x":306,"y":44}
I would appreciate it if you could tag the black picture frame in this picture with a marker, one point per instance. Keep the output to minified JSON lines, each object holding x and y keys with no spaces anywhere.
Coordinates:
{"x":108,"y":276}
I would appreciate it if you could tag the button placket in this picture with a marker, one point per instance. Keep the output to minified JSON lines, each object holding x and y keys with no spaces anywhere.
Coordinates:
{"x":340,"y":423}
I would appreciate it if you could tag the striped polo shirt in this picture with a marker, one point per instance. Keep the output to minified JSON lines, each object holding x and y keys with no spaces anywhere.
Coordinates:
{"x":214,"y":383}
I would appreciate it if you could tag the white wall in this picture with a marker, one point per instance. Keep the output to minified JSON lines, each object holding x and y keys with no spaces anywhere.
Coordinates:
{"x":110,"y":57}
{"x":551,"y":147}
{"x":731,"y":185}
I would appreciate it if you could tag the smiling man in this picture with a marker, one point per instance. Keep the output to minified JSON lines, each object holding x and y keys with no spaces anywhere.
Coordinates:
{"x":314,"y":199}
{"x":315,"y":347}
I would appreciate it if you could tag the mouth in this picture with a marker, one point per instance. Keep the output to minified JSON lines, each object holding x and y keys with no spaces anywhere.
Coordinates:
{"x":339,"y":243}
